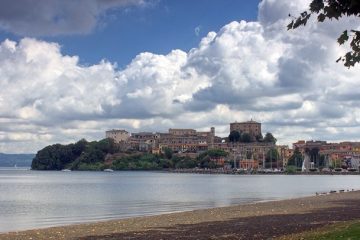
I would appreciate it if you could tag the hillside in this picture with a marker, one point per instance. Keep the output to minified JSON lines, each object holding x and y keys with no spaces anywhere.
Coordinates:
{"x":99,"y":155}
{"x":21,"y":160}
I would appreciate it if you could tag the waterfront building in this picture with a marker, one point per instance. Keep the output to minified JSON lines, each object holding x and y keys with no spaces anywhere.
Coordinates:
{"x":219,"y":161}
{"x":252,"y":155}
{"x":320,"y":154}
{"x":284,"y":154}
{"x":300,"y":145}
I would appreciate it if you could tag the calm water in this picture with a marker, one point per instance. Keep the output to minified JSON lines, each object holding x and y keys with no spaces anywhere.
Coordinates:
{"x":32,"y":199}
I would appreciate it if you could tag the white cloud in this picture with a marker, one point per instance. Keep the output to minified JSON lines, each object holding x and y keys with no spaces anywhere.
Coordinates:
{"x":287,"y":79}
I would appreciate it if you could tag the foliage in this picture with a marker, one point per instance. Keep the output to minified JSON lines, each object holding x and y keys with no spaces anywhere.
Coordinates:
{"x":296,"y":159}
{"x":90,"y":156}
{"x":234,"y":136}
{"x":259,"y":138}
{"x":269,"y":138}
{"x":347,"y":230}
{"x":168,"y":153}
{"x":74,"y":156}
{"x":138,"y":162}
{"x":53,"y":157}
{"x":330,"y":9}
{"x":335,"y":164}
{"x":272,"y":157}
{"x":98,"y":166}
{"x":216,"y":153}
{"x":245,"y":137}
{"x":186,"y":162}
{"x":204,"y":159}
{"x":291,"y":169}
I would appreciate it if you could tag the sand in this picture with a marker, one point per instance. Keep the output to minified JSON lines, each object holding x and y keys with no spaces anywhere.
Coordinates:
{"x":267,"y":220}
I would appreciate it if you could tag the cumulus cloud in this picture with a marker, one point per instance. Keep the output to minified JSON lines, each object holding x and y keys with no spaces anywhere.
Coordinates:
{"x":43,"y":17}
{"x":288,"y":80}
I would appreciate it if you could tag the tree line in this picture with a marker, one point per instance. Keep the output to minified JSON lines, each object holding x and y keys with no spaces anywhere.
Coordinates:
{"x":84,"y":155}
{"x":244,"y":137}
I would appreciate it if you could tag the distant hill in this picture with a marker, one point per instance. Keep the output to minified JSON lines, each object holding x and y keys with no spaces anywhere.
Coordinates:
{"x":21,"y":160}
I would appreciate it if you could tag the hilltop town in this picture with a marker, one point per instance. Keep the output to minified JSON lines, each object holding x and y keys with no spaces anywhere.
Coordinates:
{"x":245,"y":149}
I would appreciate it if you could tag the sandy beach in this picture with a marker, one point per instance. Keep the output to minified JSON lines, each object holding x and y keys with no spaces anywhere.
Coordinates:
{"x":265,"y":220}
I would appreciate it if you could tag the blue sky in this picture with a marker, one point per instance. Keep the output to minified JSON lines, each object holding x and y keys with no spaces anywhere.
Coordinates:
{"x":74,"y":69}
{"x":158,"y":28}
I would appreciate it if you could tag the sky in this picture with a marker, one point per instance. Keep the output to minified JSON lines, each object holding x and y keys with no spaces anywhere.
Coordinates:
{"x":74,"y":69}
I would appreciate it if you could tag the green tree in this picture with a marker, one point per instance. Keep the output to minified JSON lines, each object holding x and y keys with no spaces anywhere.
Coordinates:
{"x":335,"y":9}
{"x":216,"y":153}
{"x":168,"y":153}
{"x":234,"y":136}
{"x":58,"y":156}
{"x":269,"y":138}
{"x":259,"y":138}
{"x":79,"y":147}
{"x":296,"y":159}
{"x":186,"y":162}
{"x":245,"y":137}
{"x":272,"y":158}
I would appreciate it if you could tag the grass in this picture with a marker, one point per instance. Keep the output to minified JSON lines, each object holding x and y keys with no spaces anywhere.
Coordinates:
{"x":347,"y":231}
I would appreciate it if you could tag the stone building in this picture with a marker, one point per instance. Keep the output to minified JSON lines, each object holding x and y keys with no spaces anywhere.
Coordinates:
{"x":117,"y":135}
{"x":251,"y":127}
{"x":144,"y":141}
{"x":187,"y":140}
{"x":181,"y":131}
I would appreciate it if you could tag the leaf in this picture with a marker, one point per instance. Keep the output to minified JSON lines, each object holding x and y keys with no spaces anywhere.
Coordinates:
{"x":297,"y":23}
{"x":290,"y":26}
{"x":316,"y":5}
{"x":343,"y":38}
{"x":304,"y":14}
{"x":321,"y":17}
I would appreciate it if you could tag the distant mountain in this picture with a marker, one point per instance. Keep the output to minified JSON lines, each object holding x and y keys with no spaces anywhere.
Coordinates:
{"x":21,"y":160}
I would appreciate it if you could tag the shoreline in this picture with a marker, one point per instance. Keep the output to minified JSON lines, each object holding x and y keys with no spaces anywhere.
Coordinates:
{"x":232,"y":172}
{"x":205,"y":171}
{"x":237,"y":220}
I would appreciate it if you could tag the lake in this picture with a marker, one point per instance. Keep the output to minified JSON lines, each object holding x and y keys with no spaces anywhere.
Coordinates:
{"x":36,"y":199}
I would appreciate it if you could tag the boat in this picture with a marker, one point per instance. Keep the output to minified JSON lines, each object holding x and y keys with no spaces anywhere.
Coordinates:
{"x":108,"y":170}
{"x":66,"y":170}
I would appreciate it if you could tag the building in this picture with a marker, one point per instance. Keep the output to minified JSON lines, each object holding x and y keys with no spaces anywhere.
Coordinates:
{"x":117,"y":135}
{"x":181,"y":131}
{"x":320,"y":154}
{"x":187,"y":140}
{"x":251,"y":127}
{"x":248,"y":164}
{"x":252,"y":155}
{"x":218,"y":161}
{"x":300,"y":145}
{"x":144,"y":141}
{"x":284,"y":153}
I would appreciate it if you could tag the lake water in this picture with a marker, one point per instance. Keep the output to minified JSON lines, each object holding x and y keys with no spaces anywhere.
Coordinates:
{"x":34,"y":199}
